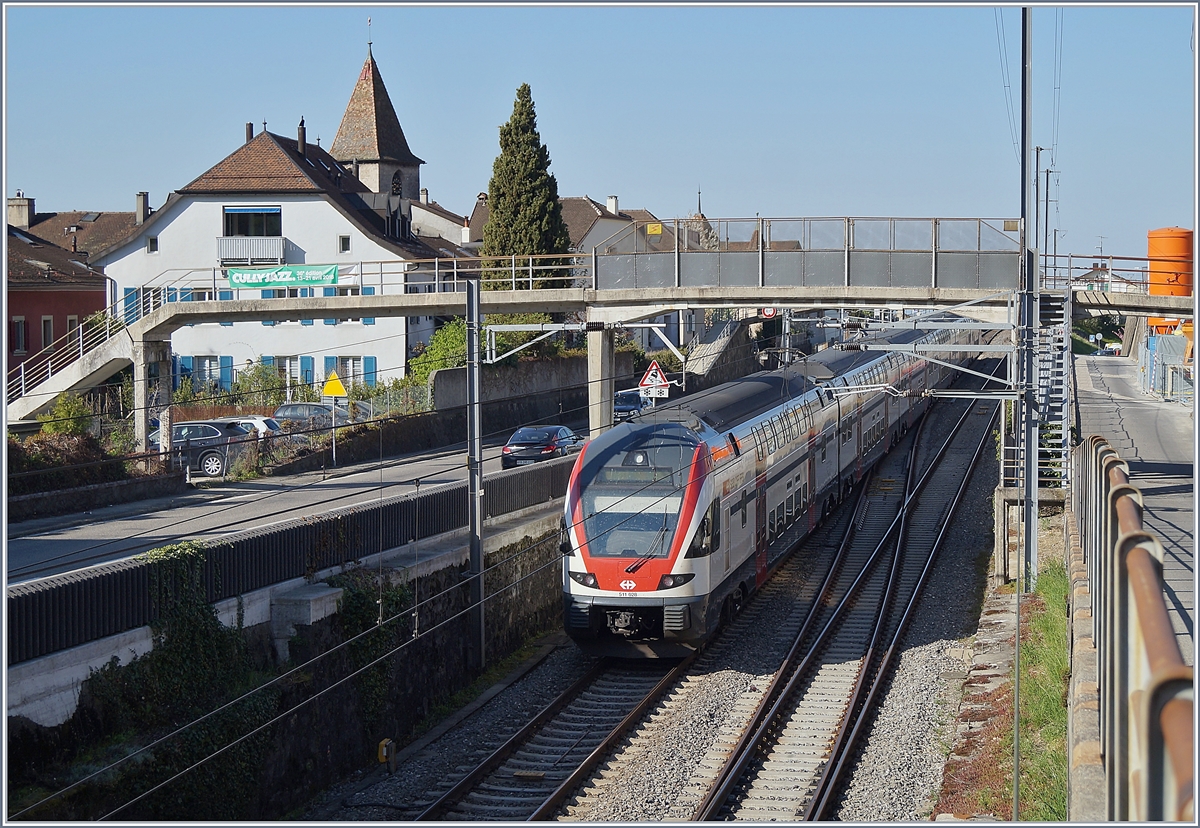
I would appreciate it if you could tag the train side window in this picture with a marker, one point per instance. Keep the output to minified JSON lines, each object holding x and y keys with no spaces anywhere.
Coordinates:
{"x":770,"y":438}
{"x":744,"y":510}
{"x":824,"y":444}
{"x":804,"y":496}
{"x":733,"y":444}
{"x":791,"y":507}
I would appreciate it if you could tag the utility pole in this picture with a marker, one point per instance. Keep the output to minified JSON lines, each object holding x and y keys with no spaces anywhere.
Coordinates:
{"x":477,"y":638}
{"x":1037,"y":199}
{"x":1046,"y":228}
{"x":1027,"y":318}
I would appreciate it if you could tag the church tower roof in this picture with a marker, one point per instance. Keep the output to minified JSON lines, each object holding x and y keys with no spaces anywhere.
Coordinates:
{"x":370,"y":130}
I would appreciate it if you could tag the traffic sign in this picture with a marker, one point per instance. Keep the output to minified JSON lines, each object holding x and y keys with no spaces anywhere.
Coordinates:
{"x":333,"y":386}
{"x":654,"y":377}
{"x":769,"y":313}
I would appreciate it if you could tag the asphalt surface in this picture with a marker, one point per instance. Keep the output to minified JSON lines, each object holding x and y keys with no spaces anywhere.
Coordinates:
{"x":1157,"y":440}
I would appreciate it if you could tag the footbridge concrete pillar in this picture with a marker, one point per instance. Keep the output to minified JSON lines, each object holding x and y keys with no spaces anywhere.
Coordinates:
{"x":151,"y":385}
{"x":600,"y":381}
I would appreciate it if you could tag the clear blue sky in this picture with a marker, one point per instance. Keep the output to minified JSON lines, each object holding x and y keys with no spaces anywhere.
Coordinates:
{"x":780,"y":111}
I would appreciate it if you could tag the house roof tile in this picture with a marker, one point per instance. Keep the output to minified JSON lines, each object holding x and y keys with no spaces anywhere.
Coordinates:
{"x":67,"y":229}
{"x":370,"y":130}
{"x":34,"y":262}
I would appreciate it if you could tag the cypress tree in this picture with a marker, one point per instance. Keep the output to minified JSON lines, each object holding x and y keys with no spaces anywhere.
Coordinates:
{"x":524,"y":216}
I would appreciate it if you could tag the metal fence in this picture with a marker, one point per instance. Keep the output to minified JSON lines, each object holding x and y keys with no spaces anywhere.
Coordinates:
{"x":1166,"y":369}
{"x":67,"y":610}
{"x":1145,"y":688}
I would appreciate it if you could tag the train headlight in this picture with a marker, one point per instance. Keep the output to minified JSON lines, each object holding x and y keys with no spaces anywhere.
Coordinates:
{"x":585,"y":578}
{"x":672,"y":581}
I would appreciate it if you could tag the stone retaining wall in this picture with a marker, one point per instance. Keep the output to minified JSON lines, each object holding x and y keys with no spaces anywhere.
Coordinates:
{"x":96,"y":496}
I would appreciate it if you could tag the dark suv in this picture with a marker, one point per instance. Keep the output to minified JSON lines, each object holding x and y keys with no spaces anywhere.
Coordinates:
{"x":207,"y":446}
{"x":306,"y":415}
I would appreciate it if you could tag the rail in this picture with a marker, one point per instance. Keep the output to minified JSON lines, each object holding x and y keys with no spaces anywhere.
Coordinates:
{"x":1145,"y":688}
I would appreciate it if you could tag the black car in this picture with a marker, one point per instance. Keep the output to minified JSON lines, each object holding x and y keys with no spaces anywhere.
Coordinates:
{"x":207,"y":446}
{"x":533,"y":443}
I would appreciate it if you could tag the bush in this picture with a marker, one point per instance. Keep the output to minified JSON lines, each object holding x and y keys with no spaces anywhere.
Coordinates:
{"x":70,"y":415}
{"x":59,"y":457}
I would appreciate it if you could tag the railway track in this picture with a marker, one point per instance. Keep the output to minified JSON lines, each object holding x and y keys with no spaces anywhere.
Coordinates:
{"x":788,"y":763}
{"x":529,"y":775}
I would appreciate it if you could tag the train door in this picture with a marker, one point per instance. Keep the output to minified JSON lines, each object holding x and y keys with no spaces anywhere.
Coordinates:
{"x":760,"y":529}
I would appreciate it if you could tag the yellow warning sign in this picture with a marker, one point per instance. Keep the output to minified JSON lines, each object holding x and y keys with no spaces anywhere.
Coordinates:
{"x":333,"y":386}
{"x":654,"y":228}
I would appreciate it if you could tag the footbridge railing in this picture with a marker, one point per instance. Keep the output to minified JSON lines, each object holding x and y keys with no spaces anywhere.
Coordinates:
{"x":1145,"y":688}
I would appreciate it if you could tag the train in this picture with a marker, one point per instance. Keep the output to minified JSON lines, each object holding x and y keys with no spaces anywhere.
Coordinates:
{"x":674,"y":518}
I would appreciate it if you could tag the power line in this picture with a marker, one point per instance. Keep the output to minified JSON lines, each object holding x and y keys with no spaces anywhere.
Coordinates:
{"x":1001,"y":45}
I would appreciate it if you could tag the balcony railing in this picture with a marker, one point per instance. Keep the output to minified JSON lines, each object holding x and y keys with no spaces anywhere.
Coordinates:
{"x":250,"y":250}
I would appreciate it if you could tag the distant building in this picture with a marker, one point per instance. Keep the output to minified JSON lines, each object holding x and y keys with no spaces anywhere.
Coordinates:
{"x":277,"y":201}
{"x":50,"y":292}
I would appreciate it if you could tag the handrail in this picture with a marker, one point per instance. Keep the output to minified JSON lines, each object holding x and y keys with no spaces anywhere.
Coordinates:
{"x":1145,"y":688}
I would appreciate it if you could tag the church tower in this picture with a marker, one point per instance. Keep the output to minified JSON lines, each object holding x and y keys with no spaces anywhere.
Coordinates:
{"x":371,"y":141}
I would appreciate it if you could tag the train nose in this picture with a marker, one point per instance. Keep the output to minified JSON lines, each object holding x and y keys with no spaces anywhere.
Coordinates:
{"x":621,"y":623}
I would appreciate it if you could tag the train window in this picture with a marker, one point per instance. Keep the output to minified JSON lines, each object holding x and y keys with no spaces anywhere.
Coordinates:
{"x":744,"y":510}
{"x":804,"y":496}
{"x":791,"y":507}
{"x":708,"y":535}
{"x":824,"y":442}
{"x":733,"y":444}
{"x":770,"y":437}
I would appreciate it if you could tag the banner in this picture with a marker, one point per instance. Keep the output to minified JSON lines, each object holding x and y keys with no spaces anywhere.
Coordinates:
{"x":285,"y":276}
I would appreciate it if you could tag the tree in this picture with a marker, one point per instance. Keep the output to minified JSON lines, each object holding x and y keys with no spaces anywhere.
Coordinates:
{"x":524,"y":215}
{"x":70,"y":415}
{"x":447,"y":349}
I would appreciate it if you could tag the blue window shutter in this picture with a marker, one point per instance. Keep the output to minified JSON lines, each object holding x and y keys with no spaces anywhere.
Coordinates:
{"x":369,"y":371}
{"x":330,"y":365}
{"x":306,"y":370}
{"x":171,"y":294}
{"x":226,"y":363}
{"x":268,"y":293}
{"x":268,"y":360}
{"x":185,"y":294}
{"x":304,"y":294}
{"x":331,"y":291}
{"x":131,"y":306}
{"x":224,"y":296}
{"x":368,"y":291}
{"x":185,"y":365}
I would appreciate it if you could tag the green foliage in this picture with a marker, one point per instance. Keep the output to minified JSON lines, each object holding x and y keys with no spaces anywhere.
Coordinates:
{"x":524,"y":214}
{"x":365,"y":603}
{"x":70,"y":415}
{"x":447,"y":348}
{"x":197,"y":665}
{"x":507,"y":340}
{"x":259,"y":385}
{"x":52,"y":454}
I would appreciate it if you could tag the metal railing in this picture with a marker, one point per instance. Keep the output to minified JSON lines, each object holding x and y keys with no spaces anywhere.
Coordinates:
{"x":92,"y":332}
{"x":251,"y":250}
{"x":1145,"y":688}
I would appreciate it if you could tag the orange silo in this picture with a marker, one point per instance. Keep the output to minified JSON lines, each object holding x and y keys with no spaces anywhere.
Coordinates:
{"x":1169,"y":251}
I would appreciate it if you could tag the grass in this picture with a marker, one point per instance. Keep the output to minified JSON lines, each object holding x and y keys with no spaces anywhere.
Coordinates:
{"x":978,"y":773}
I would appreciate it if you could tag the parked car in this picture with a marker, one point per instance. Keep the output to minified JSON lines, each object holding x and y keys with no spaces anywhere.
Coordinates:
{"x":207,"y":446}
{"x":628,"y":403}
{"x":320,"y":415}
{"x":255,"y":424}
{"x":533,"y":443}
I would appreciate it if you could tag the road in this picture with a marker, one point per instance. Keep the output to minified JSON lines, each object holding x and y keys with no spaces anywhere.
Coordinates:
{"x":53,"y":545}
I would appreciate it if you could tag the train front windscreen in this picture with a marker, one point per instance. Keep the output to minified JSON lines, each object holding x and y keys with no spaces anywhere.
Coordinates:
{"x":632,"y":492}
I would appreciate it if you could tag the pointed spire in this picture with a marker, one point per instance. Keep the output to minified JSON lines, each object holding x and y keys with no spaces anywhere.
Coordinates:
{"x":370,"y":130}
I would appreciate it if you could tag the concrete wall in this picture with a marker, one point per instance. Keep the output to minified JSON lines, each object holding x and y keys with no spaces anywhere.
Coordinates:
{"x":523,"y":381}
{"x":324,"y":740}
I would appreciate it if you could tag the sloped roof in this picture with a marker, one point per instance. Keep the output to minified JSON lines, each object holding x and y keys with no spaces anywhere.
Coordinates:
{"x":370,"y":130}
{"x":438,"y":210}
{"x":90,"y":236}
{"x":270,"y":163}
{"x":579,"y":212}
{"x":34,"y":262}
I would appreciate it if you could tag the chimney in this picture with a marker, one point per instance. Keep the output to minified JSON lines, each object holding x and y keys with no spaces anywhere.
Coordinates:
{"x":300,"y":146}
{"x":424,"y":195}
{"x":612,"y":206}
{"x":466,"y":232}
{"x":142,"y":211}
{"x":249,"y":131}
{"x":20,"y":211}
{"x":354,"y":168}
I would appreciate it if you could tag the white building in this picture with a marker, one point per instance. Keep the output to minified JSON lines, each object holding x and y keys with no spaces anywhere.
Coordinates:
{"x":282,"y":201}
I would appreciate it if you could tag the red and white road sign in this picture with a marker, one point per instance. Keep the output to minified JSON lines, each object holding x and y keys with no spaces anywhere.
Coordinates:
{"x":769,"y":313}
{"x":653,"y":377}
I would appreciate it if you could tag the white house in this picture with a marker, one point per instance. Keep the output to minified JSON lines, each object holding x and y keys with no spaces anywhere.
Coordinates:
{"x":282,"y":201}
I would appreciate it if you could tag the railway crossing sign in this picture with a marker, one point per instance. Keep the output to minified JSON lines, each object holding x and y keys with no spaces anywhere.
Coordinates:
{"x":654,"y":381}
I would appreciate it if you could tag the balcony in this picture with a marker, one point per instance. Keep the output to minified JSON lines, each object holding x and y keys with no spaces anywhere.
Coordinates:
{"x":249,"y":251}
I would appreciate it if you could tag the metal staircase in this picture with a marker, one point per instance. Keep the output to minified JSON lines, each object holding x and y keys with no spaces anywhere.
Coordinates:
{"x":1054,"y":392}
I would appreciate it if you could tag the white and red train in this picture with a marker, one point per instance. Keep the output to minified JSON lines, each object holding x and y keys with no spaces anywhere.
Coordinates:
{"x":673,"y":518}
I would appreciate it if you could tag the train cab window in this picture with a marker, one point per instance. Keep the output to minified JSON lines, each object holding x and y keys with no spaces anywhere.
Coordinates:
{"x":708,"y":535}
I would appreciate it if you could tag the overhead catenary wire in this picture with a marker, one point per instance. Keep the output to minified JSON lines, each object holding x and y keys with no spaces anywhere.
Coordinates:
{"x":1005,"y":75}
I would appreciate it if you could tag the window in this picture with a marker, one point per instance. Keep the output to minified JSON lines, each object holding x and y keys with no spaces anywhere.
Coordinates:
{"x":47,"y":331}
{"x":206,"y":370}
{"x":253,"y":221}
{"x":20,"y":339}
{"x":152,"y":244}
{"x":350,"y":369}
{"x":343,"y":244}
{"x":73,"y":328}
